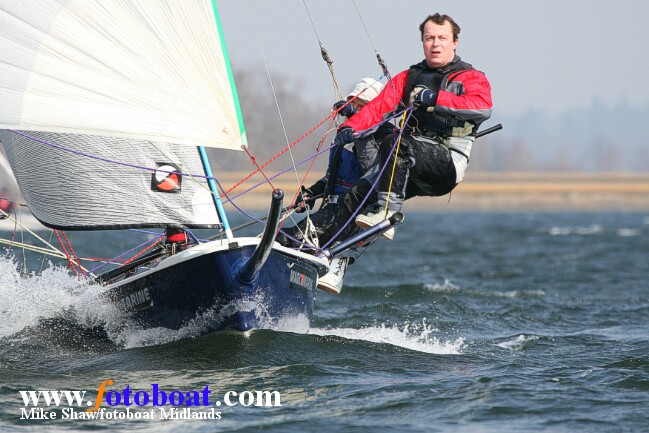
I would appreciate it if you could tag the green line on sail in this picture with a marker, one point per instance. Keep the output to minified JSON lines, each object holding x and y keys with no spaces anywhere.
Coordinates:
{"x":233,"y":86}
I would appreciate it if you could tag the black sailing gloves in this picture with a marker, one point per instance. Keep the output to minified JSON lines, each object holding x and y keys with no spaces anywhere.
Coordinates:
{"x":344,"y":136}
{"x":425,"y":98}
{"x":308,"y":196}
{"x":347,"y":111}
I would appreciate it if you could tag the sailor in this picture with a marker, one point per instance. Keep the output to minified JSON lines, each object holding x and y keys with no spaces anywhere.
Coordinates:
{"x":351,"y":161}
{"x":450,"y":100}
{"x":347,"y":165}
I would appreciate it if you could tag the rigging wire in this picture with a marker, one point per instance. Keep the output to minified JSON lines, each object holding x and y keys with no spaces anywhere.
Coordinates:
{"x":270,"y":80}
{"x":43,"y":258}
{"x":33,"y":248}
{"x":52,"y":248}
{"x":325,"y":56}
{"x":337,"y":95}
{"x":382,"y":63}
{"x":5,"y":215}
{"x":388,"y":76}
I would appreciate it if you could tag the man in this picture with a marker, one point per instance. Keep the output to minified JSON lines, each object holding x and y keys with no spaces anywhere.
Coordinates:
{"x":450,"y":100}
{"x":347,"y":164}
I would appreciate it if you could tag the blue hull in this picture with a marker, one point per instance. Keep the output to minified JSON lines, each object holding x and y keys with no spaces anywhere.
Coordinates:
{"x":206,"y":282}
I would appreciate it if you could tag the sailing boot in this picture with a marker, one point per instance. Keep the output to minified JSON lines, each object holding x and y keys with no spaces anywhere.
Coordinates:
{"x":374,"y":215}
{"x":332,"y":282}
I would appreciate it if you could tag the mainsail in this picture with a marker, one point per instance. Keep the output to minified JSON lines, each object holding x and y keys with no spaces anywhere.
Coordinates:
{"x":101,"y":98}
{"x":67,"y":189}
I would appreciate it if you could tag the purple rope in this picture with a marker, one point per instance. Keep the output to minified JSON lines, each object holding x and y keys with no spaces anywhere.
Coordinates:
{"x":376,"y":181}
{"x":283,"y":172}
{"x":309,"y":247}
{"x":121,"y":255}
{"x":228,"y":199}
{"x":99,"y":158}
{"x":308,"y":159}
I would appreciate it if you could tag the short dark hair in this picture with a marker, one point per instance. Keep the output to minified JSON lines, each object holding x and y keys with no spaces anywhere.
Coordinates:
{"x":440,"y":19}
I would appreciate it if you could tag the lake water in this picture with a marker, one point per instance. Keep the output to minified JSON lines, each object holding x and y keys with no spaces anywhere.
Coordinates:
{"x":466,"y":322}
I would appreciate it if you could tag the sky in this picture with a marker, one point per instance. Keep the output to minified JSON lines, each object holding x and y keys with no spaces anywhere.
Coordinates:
{"x":550,"y":55}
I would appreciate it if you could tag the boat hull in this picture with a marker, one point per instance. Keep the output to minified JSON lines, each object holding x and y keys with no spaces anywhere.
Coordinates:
{"x":201,"y":285}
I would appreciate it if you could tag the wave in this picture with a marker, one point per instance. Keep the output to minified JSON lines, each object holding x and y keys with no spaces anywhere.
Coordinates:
{"x":26,"y":299}
{"x":424,"y":290}
{"x":518,"y":343}
{"x":627,"y":232}
{"x":450,"y":288}
{"x":590,"y":230}
{"x":417,"y":337}
{"x":62,"y":305}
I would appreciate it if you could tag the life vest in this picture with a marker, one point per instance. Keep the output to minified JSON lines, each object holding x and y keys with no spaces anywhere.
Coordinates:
{"x":425,"y":120}
{"x":346,"y":167}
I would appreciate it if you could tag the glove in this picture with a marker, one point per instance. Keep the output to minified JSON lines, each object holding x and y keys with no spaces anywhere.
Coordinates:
{"x":303,"y":200}
{"x":306,"y":197}
{"x":344,"y":136}
{"x":347,"y":111}
{"x":425,"y":97}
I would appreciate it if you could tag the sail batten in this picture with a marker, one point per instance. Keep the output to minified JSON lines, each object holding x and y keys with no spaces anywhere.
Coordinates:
{"x":152,"y":70}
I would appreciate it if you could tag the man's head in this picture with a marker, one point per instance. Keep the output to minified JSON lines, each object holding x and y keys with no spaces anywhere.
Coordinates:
{"x":366,"y":89}
{"x":439,"y":36}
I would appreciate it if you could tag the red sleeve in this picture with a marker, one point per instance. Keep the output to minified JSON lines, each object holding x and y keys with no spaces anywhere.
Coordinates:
{"x":475,"y":101}
{"x":385,"y":102}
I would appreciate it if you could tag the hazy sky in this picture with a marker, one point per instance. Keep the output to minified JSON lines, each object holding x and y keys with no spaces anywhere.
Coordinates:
{"x":550,"y":55}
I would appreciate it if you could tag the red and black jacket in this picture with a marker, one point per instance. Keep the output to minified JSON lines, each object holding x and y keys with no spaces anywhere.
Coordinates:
{"x":463,"y":100}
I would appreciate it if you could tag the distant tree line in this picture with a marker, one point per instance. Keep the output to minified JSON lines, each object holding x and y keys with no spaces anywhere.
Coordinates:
{"x":267,"y":132}
{"x":598,"y":138}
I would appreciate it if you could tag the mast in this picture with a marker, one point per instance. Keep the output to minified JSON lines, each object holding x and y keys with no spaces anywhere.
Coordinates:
{"x":242,"y":131}
{"x":215,"y":194}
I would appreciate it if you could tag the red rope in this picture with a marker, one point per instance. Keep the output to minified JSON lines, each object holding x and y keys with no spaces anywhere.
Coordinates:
{"x":322,"y":140}
{"x":308,"y":170}
{"x":143,"y":251}
{"x":254,"y":162}
{"x":67,"y":255}
{"x":332,"y":114}
{"x":74,"y":255}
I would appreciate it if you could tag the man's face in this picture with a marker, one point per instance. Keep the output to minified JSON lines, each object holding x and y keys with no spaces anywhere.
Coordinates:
{"x":439,"y":46}
{"x":357,"y":103}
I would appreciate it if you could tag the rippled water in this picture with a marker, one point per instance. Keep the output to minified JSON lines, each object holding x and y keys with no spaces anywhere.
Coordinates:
{"x":465,"y":322}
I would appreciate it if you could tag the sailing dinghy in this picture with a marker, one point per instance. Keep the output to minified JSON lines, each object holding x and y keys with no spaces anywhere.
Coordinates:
{"x":107,"y":108}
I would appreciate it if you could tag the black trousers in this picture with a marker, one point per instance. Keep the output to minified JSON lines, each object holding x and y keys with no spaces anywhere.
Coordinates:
{"x":424,"y":167}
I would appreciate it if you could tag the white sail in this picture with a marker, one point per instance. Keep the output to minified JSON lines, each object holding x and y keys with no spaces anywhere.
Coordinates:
{"x":125,"y":184}
{"x":7,"y":181}
{"x":140,"y":69}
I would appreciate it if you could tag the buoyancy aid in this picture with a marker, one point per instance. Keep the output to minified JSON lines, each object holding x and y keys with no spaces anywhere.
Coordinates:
{"x":425,"y":120}
{"x":343,"y":162}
